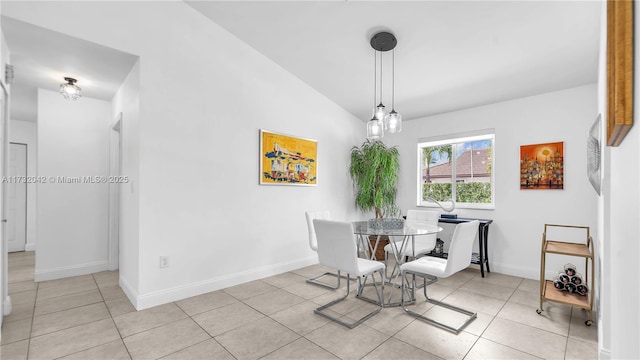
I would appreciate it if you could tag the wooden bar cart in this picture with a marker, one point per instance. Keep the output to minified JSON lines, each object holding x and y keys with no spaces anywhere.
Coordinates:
{"x":548,"y":292}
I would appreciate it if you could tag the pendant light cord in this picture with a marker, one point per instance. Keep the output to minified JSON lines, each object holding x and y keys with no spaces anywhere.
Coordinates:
{"x":375,"y":79}
{"x":380,"y":78}
{"x":393,"y":79}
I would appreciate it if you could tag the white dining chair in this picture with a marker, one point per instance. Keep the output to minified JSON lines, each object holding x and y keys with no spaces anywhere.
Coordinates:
{"x":313,"y":244}
{"x":423,"y":243}
{"x":337,"y":249}
{"x":459,"y":259}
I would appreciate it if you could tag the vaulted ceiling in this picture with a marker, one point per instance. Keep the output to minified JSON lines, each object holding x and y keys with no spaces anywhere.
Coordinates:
{"x":450,"y":54}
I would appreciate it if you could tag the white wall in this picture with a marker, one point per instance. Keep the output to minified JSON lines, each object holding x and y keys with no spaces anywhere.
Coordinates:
{"x":519,"y":215}
{"x":203,"y":98}
{"x":73,"y":141}
{"x":127,"y":102}
{"x":24,"y":132}
{"x":622,"y":242}
{"x":200,"y":202}
{"x":5,"y":56}
{"x":620,"y":207}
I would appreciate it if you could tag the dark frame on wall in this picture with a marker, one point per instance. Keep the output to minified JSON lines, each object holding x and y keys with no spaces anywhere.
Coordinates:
{"x":619,"y":70}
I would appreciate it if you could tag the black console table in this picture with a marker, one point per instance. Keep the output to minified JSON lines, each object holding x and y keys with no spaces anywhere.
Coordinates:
{"x":483,"y":235}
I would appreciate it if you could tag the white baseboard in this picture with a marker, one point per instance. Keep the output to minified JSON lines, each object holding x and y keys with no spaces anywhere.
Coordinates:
{"x":160,"y":297}
{"x":132,"y":295}
{"x":519,"y":271}
{"x":30,"y":247}
{"x":73,"y":270}
{"x":604,"y":354}
{"x":7,"y":306}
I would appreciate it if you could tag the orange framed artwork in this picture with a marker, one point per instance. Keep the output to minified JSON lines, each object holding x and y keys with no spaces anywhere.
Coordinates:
{"x":287,"y":160}
{"x":542,"y":166}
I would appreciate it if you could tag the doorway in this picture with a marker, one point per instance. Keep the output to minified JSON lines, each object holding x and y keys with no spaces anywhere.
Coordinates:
{"x":17,"y":197}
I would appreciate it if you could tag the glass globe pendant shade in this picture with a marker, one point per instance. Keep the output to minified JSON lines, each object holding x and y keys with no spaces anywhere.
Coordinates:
{"x":393,"y":122}
{"x":375,"y":129}
{"x":380,"y":112}
{"x":70,"y":90}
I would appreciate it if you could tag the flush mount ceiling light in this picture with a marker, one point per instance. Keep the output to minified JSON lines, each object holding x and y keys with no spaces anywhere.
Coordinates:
{"x":70,"y":90}
{"x":383,"y":120}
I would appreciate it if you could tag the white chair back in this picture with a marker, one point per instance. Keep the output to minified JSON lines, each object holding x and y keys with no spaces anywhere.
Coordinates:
{"x":461,"y":246}
{"x":325,"y":215}
{"x":431,"y":218}
{"x":337,"y":245}
{"x":423,"y":215}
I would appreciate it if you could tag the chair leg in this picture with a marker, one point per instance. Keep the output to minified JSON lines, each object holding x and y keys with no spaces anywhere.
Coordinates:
{"x":315,"y":281}
{"x":386,"y":265}
{"x":352,"y":325}
{"x":456,"y":330}
{"x":432,"y":280}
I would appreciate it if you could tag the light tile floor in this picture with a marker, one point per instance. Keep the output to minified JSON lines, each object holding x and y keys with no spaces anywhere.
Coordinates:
{"x":89,"y":317}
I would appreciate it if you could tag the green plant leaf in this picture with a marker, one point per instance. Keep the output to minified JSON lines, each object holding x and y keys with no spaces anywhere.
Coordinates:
{"x":374,"y":170}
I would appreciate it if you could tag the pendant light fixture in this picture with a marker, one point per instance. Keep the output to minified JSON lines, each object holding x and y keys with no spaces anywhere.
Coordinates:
{"x":70,"y":90}
{"x":375,"y":126}
{"x":393,"y":121}
{"x":382,"y":119}
{"x":380,"y":110}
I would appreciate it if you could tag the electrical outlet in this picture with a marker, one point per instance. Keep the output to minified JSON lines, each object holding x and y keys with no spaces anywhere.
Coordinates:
{"x":164,"y":262}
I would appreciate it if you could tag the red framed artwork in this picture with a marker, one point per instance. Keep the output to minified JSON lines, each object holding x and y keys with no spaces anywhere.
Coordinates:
{"x":542,"y":166}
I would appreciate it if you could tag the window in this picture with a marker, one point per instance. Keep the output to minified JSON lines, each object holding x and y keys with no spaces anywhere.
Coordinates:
{"x":457,"y":167}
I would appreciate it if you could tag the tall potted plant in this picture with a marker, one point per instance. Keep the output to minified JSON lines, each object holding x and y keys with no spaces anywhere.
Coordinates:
{"x":374,"y":170}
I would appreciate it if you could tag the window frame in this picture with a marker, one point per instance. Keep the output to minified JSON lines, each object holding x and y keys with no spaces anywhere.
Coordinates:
{"x":453,"y":139}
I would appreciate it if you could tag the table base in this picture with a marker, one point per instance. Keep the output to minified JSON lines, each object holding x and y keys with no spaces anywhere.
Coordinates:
{"x":391,"y":295}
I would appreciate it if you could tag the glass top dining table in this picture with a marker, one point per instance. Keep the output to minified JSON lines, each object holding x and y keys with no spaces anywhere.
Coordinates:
{"x":410,"y":228}
{"x":398,"y":239}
